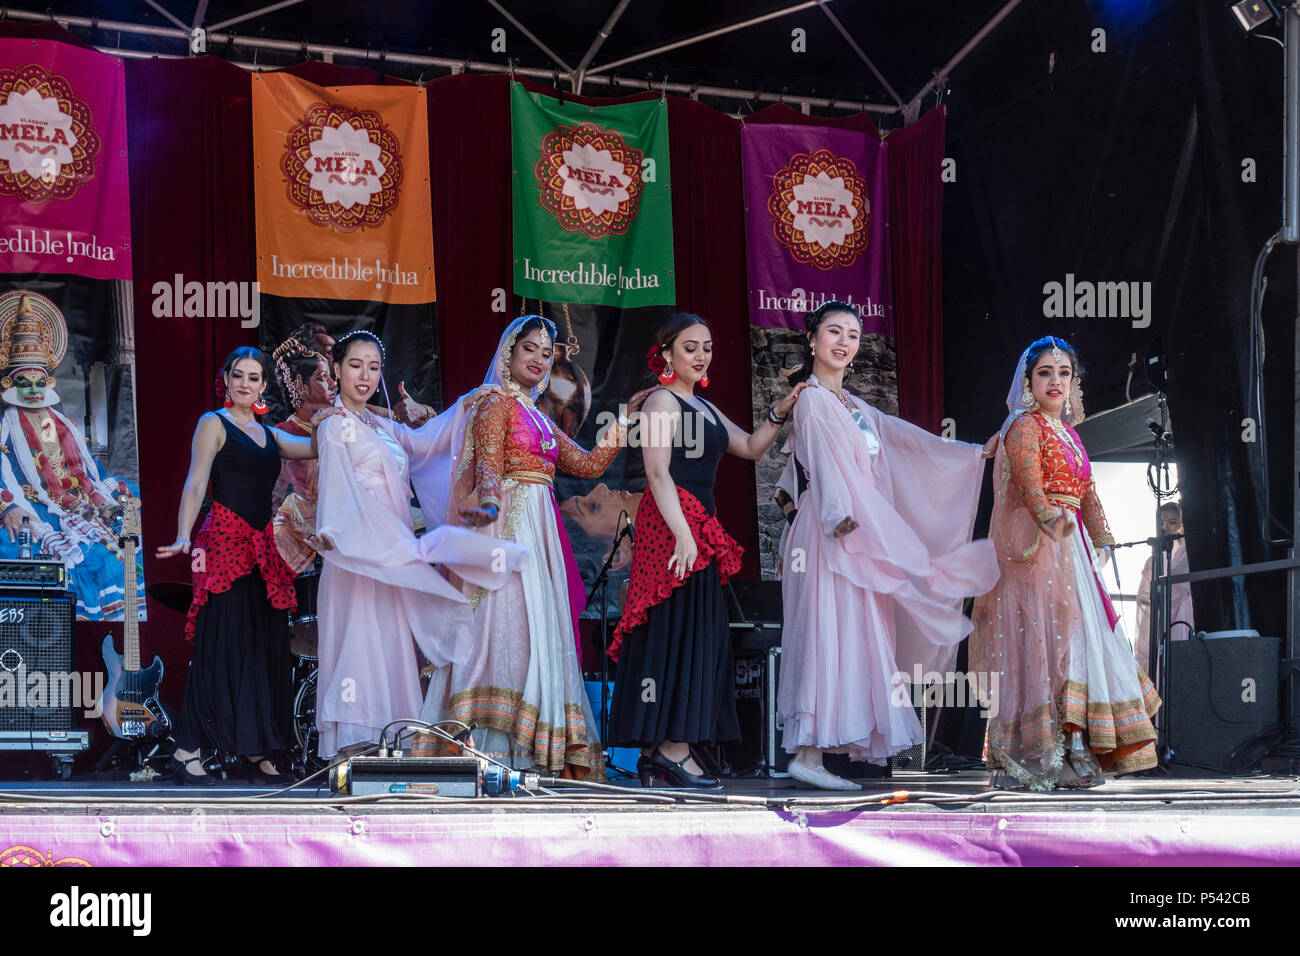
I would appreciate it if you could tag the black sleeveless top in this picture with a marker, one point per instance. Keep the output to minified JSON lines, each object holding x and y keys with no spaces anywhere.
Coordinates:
{"x":698,"y":446}
{"x":244,"y":475}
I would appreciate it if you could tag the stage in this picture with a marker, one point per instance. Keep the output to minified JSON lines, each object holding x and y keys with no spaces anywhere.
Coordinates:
{"x":911,"y":819}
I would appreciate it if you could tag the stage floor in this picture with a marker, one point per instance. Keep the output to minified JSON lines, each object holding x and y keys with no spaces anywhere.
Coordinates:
{"x":943,"y":819}
{"x":967,"y":791}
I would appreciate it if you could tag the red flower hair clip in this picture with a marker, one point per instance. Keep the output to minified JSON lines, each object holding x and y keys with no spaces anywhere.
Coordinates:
{"x":654,"y":360}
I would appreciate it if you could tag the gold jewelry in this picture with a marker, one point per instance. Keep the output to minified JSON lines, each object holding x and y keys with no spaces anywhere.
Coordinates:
{"x":1057,"y":357}
{"x":1027,"y":398}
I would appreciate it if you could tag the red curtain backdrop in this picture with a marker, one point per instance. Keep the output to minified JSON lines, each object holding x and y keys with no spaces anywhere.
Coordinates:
{"x":190,"y":140}
{"x":916,"y":199}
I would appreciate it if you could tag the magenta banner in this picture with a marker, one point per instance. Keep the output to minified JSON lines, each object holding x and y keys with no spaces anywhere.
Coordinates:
{"x":815,"y":224}
{"x":63,"y":173}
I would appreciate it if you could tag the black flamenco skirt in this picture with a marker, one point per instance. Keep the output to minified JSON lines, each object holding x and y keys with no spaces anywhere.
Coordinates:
{"x":238,"y":697}
{"x":684,"y":647}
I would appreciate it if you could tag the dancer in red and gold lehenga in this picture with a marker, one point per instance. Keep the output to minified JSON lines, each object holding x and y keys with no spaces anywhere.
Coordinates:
{"x":522,"y":684}
{"x":1068,"y":698}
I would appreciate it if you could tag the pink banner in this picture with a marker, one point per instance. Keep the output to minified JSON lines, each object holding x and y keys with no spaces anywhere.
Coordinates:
{"x":63,"y":172}
{"x":815,"y":224}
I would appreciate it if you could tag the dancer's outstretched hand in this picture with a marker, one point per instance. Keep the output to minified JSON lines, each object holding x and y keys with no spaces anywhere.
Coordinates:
{"x":783,"y":407}
{"x":991,"y":446}
{"x":320,"y":542}
{"x":323,"y":414}
{"x":636,"y":401}
{"x":684,"y":554}
{"x":1059,"y":528}
{"x":845,"y":527}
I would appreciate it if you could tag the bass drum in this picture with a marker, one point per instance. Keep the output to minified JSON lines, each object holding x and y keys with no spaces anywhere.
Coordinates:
{"x":304,"y":724}
{"x":302,"y":626}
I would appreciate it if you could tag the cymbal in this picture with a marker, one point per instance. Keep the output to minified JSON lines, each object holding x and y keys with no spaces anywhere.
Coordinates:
{"x":173,"y":595}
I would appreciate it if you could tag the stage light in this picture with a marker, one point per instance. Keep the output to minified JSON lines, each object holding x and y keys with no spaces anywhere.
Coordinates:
{"x":1255,"y":13}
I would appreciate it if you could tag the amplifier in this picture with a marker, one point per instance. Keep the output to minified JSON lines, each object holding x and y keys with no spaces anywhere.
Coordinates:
{"x":39,"y":690}
{"x":1221,"y":694}
{"x":40,"y":572}
{"x":434,"y":776}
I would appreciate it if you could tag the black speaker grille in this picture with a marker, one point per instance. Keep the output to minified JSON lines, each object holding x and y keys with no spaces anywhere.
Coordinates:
{"x":36,"y":693}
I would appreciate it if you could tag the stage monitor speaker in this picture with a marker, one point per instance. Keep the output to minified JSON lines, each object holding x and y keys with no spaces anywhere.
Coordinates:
{"x":1221,"y":694}
{"x":37,"y":692}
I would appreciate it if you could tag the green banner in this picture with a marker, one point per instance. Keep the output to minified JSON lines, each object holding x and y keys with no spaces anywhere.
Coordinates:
{"x":593,"y":216}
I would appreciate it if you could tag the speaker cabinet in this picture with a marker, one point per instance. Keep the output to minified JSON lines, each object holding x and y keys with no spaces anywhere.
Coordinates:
{"x":37,"y":694}
{"x":1221,"y":693}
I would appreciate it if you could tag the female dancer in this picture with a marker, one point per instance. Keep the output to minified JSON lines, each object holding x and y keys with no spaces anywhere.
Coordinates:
{"x":305,"y":379}
{"x":877,"y":560}
{"x":237,"y":695}
{"x":522,"y":685}
{"x":380,"y":595}
{"x":1048,"y":633}
{"x":675,"y":680}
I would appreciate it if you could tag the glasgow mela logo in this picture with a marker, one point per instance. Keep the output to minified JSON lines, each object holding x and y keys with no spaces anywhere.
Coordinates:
{"x":342,"y":167}
{"x":48,"y":143}
{"x":819,"y":209}
{"x":590,"y":179}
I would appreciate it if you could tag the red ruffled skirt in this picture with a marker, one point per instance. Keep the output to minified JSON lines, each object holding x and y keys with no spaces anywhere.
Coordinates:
{"x":226,"y":548}
{"x":651,"y":580}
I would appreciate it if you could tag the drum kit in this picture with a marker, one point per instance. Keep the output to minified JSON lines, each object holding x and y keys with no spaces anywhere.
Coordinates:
{"x":302,"y":644}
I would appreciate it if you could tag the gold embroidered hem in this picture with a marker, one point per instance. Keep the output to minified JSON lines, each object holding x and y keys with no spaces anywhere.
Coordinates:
{"x":550,"y":747}
{"x":997,"y":759}
{"x":1111,"y":725}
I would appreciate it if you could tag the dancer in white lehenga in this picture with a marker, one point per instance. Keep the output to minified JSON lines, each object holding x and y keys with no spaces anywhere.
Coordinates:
{"x":876,"y":563}
{"x":380,"y":595}
{"x":522,"y":685}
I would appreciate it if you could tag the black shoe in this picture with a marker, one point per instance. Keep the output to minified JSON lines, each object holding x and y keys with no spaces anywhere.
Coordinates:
{"x":258,"y":777}
{"x":658,"y":767}
{"x":184,"y":777}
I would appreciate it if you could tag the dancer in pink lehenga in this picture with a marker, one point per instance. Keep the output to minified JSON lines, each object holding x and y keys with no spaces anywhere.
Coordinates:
{"x":876,"y":563}
{"x":1072,"y":700}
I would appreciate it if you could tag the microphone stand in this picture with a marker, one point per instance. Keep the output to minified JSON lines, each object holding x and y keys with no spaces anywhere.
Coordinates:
{"x":602,"y":582}
{"x":1161,"y":570}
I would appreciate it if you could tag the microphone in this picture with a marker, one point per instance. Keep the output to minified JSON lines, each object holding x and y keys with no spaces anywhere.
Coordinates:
{"x":1162,"y":434}
{"x":626,"y":532}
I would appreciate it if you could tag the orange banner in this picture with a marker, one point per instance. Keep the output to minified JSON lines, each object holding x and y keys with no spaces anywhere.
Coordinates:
{"x":342,"y":190}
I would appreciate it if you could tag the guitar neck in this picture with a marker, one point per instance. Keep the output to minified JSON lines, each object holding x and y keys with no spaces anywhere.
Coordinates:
{"x":130,"y":612}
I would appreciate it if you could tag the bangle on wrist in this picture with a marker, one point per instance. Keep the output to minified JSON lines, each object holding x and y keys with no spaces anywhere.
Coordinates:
{"x":774,"y":419}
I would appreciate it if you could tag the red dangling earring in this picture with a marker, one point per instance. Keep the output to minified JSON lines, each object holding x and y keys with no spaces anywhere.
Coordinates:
{"x":229,"y":402}
{"x":704,"y":380}
{"x":667,"y":375}
{"x":260,"y":407}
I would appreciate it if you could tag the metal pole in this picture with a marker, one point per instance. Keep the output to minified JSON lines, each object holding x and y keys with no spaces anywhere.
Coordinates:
{"x":858,"y":50}
{"x":1291,"y":128}
{"x":165,"y":12}
{"x":721,"y":31}
{"x":597,"y":43}
{"x":329,"y":52}
{"x":532,"y":36}
{"x":972,"y":43}
{"x":254,"y":13}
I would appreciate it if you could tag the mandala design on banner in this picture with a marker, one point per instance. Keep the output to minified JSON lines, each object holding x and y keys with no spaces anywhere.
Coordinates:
{"x":27,"y":856}
{"x":48,"y":143}
{"x":342,"y":167}
{"x":590,"y":180}
{"x":819,"y":209}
